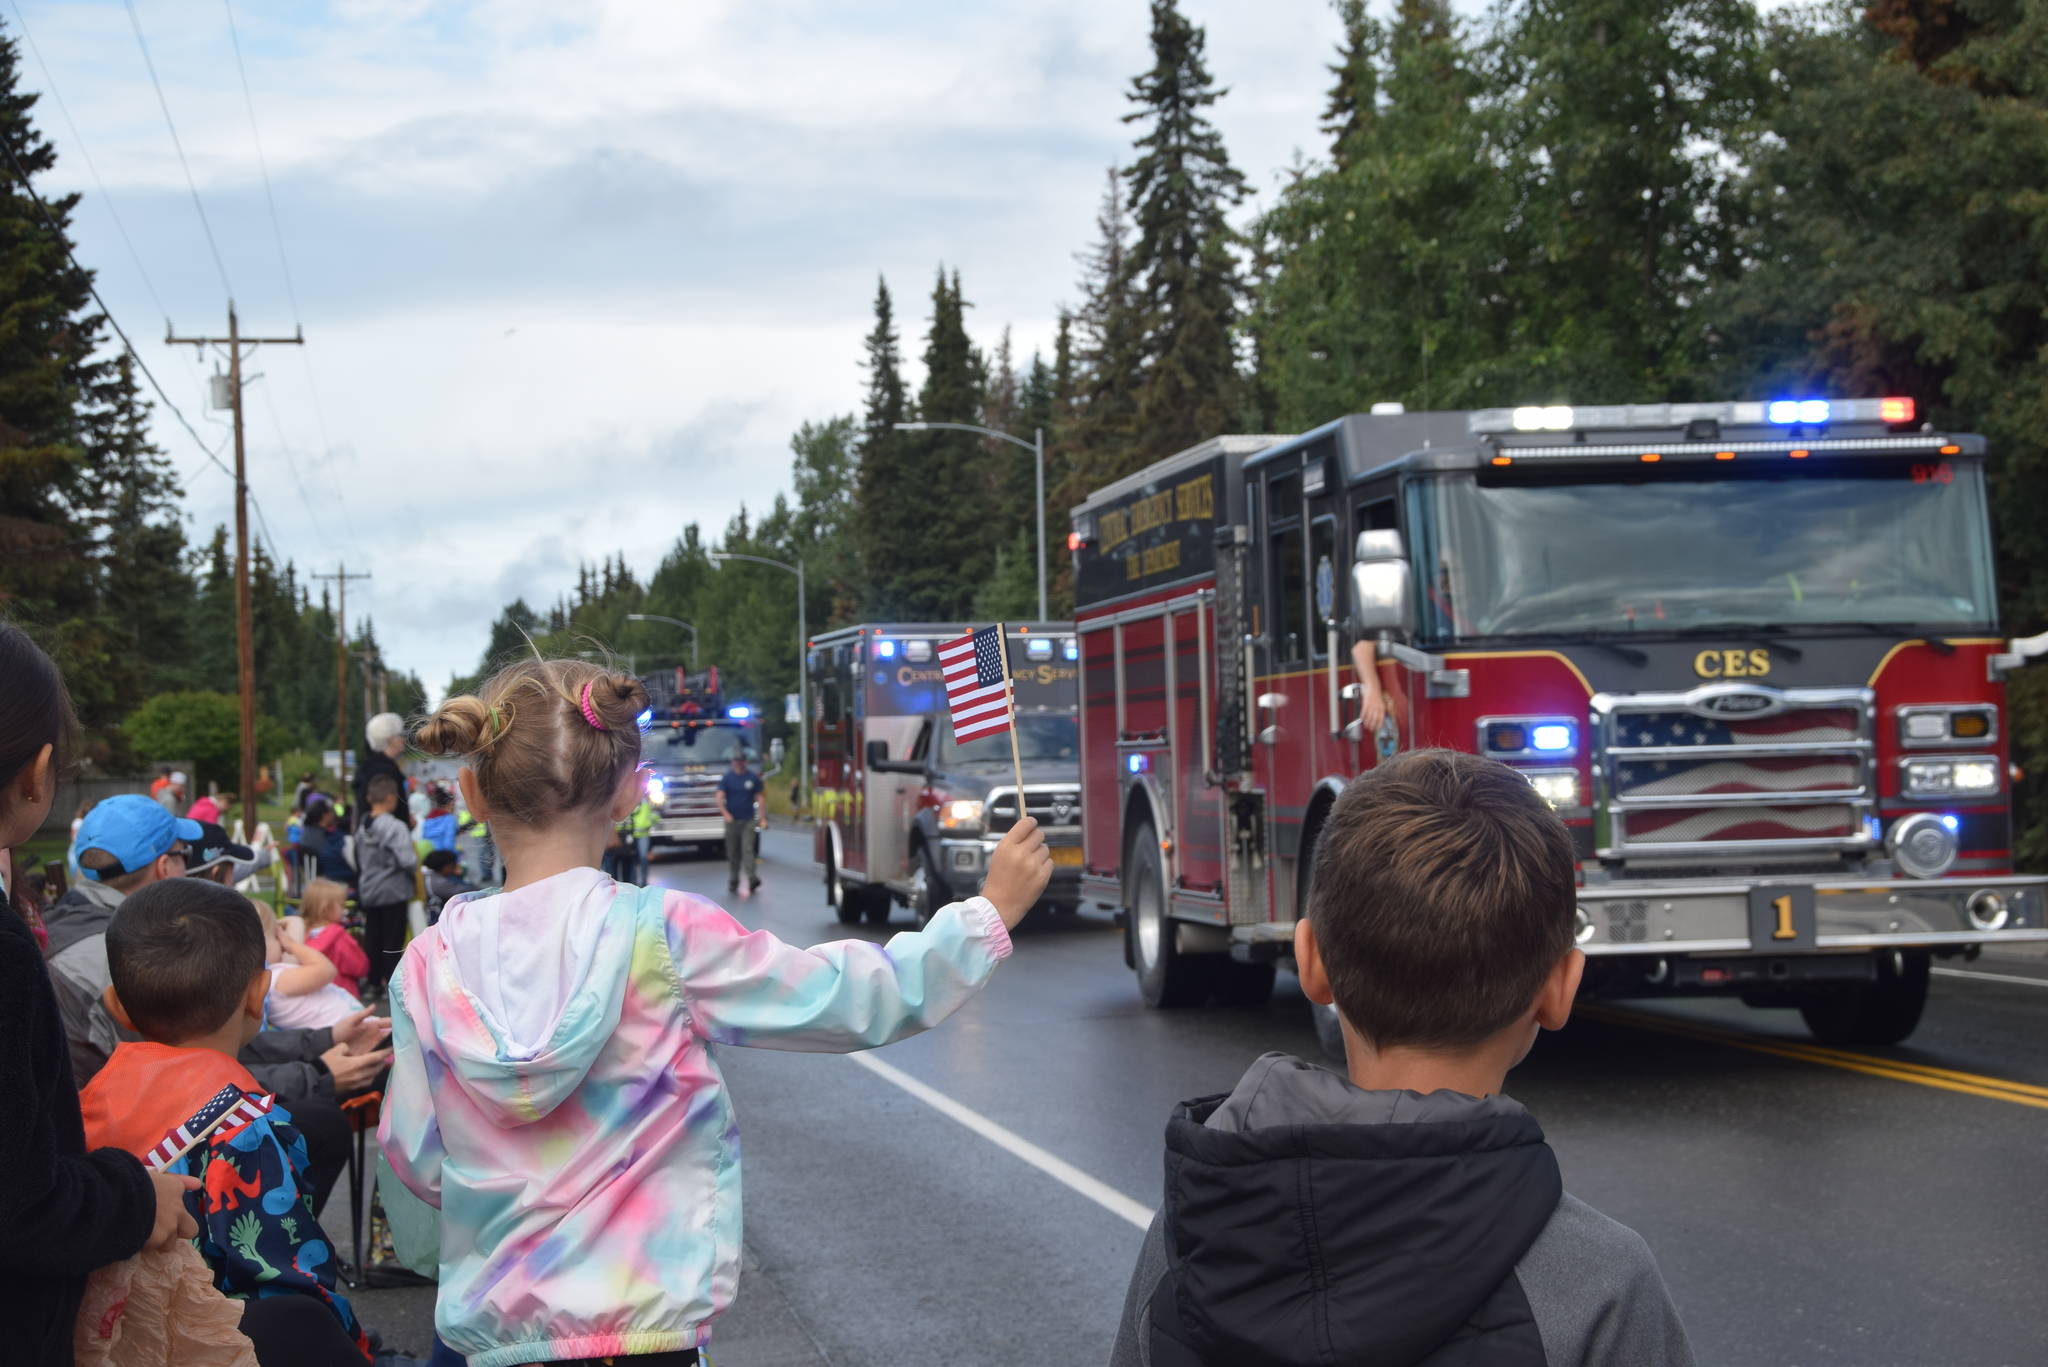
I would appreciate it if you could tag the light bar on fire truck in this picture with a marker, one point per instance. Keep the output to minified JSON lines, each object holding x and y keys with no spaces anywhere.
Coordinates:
{"x":1663,"y":416}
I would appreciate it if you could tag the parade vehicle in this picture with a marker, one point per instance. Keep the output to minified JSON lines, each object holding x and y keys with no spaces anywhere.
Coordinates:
{"x":1748,"y":651}
{"x":693,"y":733}
{"x":904,"y":812}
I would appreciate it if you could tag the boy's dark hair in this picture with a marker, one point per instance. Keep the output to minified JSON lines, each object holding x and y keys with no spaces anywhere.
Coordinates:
{"x":318,"y":811}
{"x":381,"y":788}
{"x":440,"y":861}
{"x":181,"y":953}
{"x":1442,"y":894}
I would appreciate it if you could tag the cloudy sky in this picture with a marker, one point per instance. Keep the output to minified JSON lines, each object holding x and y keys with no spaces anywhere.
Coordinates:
{"x":570,"y":274}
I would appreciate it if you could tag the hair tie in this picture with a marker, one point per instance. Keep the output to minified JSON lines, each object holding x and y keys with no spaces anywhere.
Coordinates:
{"x":590,"y":713}
{"x":497,"y":721}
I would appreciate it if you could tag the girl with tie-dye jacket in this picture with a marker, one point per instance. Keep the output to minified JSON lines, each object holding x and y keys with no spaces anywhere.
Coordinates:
{"x":553,"y":1090}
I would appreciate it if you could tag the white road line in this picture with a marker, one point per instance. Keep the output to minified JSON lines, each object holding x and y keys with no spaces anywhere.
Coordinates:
{"x":1059,"y":1169}
{"x":1990,"y":977}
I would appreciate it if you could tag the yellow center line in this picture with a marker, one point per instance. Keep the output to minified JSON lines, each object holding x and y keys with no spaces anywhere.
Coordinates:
{"x":1926,"y":1075}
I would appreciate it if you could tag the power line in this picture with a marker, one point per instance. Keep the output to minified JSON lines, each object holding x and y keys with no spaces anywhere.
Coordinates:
{"x":57,"y":234}
{"x":292,"y":465}
{"x":78,"y":140}
{"x":135,"y":20}
{"x":256,"y":136}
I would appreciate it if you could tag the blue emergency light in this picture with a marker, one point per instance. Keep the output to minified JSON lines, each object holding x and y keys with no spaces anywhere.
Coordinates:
{"x":1798,"y":412}
{"x":1553,"y":737}
{"x":1951,"y":820}
{"x":1138,"y":764}
{"x":885,"y":650}
{"x":1071,"y":648}
{"x":740,"y":711}
{"x":645,"y":719}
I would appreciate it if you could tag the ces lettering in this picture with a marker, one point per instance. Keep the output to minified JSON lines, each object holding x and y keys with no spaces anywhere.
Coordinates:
{"x":1732,"y":664}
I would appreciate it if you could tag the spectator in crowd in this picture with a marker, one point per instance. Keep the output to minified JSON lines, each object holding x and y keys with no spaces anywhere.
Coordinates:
{"x":324,"y":909}
{"x":1440,"y":924}
{"x":303,"y":991}
{"x":186,"y":957}
{"x":445,"y":880}
{"x":437,"y":828}
{"x":385,"y":860}
{"x":386,"y":734}
{"x":208,"y":807}
{"x":532,"y":1111}
{"x":64,"y":1211}
{"x":321,"y":837}
{"x":171,"y":795}
{"x":739,"y":804}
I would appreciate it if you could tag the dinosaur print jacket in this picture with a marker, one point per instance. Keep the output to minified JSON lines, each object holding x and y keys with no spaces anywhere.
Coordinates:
{"x":199,"y":1112}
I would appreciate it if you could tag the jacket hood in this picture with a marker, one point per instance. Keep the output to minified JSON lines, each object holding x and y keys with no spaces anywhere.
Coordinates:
{"x":528,"y":988}
{"x":84,"y":910}
{"x":1311,"y":1221}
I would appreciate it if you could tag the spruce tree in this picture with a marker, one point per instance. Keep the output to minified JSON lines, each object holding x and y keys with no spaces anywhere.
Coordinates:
{"x":1104,"y":356}
{"x":886,"y":483}
{"x":951,"y":546}
{"x":1354,"y":93}
{"x":1183,"y":266}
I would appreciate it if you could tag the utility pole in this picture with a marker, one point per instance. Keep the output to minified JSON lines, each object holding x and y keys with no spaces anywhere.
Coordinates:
{"x":245,"y":639}
{"x":341,"y":576}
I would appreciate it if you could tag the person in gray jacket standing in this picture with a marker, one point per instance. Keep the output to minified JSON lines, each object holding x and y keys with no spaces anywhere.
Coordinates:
{"x":1408,"y":1214}
{"x":385,"y":861}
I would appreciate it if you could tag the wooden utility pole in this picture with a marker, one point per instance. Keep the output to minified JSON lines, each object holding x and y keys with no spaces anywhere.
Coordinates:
{"x":341,"y":576}
{"x":245,"y":641}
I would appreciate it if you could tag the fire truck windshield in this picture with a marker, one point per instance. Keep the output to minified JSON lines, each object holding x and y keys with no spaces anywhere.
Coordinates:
{"x":1039,"y":737}
{"x":1889,"y":544}
{"x":705,"y":744}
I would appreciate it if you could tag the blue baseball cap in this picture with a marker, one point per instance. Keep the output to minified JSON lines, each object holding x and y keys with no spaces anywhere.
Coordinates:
{"x":135,"y":830}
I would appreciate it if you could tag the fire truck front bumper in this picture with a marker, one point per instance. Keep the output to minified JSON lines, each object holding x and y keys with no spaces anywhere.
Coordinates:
{"x":1809,"y":916}
{"x":963,"y":862}
{"x":685,"y":829}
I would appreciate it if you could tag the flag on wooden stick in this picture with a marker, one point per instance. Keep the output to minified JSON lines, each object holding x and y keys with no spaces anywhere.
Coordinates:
{"x":977,"y":683}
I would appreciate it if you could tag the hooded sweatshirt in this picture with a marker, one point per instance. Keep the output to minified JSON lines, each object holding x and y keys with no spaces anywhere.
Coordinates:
{"x":554,"y":1094}
{"x":1307,"y":1220}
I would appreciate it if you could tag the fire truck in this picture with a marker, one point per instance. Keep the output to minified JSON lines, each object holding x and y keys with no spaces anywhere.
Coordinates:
{"x":693,"y":733}
{"x":905,"y":813}
{"x":1749,"y":651}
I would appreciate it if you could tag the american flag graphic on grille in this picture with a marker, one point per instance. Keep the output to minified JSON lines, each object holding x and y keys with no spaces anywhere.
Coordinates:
{"x":1722,"y":780}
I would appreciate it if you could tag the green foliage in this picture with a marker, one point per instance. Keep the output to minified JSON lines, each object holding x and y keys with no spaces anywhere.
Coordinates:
{"x":203,"y":729}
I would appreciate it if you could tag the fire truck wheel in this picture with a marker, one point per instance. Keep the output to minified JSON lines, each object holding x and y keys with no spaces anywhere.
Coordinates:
{"x":1166,"y":977}
{"x":1244,"y":984}
{"x":927,"y":888}
{"x":839,"y":896}
{"x":1882,"y":1012}
{"x":880,"y":906}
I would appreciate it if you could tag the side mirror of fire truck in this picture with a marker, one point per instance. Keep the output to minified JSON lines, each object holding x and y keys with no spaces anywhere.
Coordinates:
{"x":2019,"y":651}
{"x":1379,"y":583}
{"x":880,"y":763}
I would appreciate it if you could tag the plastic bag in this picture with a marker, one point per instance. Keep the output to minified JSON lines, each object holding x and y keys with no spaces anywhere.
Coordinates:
{"x":159,"y":1309}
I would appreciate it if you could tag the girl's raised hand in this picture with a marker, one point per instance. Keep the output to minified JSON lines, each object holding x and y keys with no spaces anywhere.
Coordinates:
{"x":1018,"y":872}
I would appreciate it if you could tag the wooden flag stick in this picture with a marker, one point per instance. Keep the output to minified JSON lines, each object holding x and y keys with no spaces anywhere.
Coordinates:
{"x":1010,"y":700}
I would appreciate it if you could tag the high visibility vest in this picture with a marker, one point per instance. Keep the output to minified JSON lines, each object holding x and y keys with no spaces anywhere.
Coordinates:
{"x":643,"y":818}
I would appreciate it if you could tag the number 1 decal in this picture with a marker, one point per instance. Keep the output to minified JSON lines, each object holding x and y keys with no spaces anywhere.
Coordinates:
{"x":1783,"y":906}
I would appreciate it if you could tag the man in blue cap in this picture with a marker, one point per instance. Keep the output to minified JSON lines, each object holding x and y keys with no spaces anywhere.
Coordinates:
{"x":124,"y":843}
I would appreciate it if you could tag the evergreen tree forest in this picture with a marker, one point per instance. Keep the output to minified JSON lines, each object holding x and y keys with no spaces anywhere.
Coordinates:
{"x":94,"y":559}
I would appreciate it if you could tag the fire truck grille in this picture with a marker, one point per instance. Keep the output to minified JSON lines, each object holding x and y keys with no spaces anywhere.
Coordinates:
{"x":1794,"y":777}
{"x":1058,"y":810}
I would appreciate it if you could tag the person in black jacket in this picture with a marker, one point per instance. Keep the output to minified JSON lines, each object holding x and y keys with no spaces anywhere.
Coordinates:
{"x":63,"y":1211}
{"x":385,"y":733}
{"x":1408,"y":1214}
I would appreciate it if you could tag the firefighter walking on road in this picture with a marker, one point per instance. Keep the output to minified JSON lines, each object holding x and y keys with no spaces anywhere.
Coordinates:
{"x":739,"y":802}
{"x":640,"y":828}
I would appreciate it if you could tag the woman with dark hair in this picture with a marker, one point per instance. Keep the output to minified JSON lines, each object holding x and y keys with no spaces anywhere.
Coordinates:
{"x":65,"y":1211}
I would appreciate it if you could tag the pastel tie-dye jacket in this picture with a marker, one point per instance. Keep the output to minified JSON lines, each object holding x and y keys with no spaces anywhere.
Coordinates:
{"x":553,"y":1092}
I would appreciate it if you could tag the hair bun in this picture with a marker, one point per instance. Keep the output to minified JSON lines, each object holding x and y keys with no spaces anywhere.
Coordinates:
{"x":618,"y":699}
{"x":459,"y":726}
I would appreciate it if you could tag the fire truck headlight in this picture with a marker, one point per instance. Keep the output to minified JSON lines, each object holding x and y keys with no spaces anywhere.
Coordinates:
{"x":1971,"y":776}
{"x":961,"y":814}
{"x":657,"y":791}
{"x":1558,"y":787}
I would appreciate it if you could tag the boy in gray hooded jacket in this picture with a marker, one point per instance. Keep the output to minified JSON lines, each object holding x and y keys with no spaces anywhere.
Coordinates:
{"x":1408,"y":1213}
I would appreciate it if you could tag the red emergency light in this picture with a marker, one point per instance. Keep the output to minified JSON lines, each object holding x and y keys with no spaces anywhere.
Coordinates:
{"x":1895,"y":410}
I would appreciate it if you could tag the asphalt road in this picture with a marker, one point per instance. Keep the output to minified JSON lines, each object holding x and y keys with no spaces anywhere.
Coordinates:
{"x":1807,"y":1207}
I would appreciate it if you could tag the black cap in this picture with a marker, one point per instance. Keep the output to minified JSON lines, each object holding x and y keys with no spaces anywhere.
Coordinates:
{"x":213,"y":846}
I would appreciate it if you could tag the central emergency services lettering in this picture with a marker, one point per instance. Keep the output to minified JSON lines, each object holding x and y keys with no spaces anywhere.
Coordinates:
{"x":1191,"y":501}
{"x":1152,"y":560}
{"x":1732,"y":664}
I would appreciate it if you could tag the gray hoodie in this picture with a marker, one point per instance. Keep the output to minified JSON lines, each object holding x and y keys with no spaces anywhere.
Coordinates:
{"x":1310,"y":1221}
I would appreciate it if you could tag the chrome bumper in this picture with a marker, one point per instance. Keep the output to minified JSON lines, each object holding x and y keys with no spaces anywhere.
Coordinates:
{"x":1806,"y":916}
{"x":689,"y":828}
{"x":963,"y":862}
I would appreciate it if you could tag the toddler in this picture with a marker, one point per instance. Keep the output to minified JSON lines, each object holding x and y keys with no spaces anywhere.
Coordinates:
{"x":324,"y":910}
{"x":303,"y":994}
{"x":553,"y":1088}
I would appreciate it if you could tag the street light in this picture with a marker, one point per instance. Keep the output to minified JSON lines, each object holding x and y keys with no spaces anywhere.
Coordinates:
{"x":803,"y":682}
{"x":672,"y":621}
{"x":1036,"y":447}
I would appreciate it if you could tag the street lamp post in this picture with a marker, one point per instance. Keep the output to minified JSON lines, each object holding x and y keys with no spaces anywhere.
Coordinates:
{"x":672,"y":621}
{"x":803,"y":680}
{"x":1036,"y":447}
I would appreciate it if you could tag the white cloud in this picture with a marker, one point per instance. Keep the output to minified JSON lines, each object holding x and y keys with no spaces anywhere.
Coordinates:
{"x":571,"y":275}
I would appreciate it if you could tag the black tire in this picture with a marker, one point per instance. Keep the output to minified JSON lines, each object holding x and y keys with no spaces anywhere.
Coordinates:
{"x":1166,"y":977}
{"x":840,"y":895}
{"x":1244,"y":984}
{"x":928,"y":891}
{"x":1882,"y":1012}
{"x":879,"y":906}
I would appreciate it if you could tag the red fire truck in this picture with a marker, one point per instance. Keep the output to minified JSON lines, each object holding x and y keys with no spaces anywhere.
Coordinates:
{"x":694,"y":730}
{"x":1749,"y":651}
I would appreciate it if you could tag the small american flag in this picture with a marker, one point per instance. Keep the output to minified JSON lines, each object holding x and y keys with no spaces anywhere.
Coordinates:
{"x":230,"y":1107}
{"x":977,"y":683}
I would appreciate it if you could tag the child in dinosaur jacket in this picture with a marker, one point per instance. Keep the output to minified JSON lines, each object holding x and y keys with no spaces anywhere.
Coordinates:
{"x":187,"y":961}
